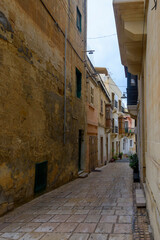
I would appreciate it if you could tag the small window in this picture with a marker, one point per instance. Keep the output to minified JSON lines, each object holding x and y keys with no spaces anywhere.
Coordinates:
{"x":101,"y":106}
{"x":133,"y":82}
{"x":78,"y":83}
{"x":79,"y":24}
{"x":92,"y":95}
{"x":116,"y":104}
{"x":130,"y":143}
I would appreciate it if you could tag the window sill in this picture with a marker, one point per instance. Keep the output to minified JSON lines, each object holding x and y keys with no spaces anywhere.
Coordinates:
{"x":91,"y":106}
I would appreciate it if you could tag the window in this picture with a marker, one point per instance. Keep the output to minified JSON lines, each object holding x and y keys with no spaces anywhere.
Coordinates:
{"x":92,"y":95}
{"x":78,"y":83}
{"x":101,"y":106}
{"x":79,"y":24}
{"x":133,"y":82}
{"x":126,"y":126}
{"x":116,"y":104}
{"x":130,"y":143}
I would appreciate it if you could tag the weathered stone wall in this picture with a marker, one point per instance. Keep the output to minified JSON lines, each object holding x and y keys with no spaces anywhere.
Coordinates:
{"x":32,"y":54}
{"x":152,"y":117}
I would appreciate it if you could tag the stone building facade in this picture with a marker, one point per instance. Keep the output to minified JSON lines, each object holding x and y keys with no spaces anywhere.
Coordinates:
{"x":92,"y":117}
{"x":98,"y":129}
{"x":138,"y":32}
{"x":42,"y":96}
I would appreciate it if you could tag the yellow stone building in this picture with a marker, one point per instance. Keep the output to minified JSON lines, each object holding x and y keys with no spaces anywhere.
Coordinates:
{"x":42,"y":96}
{"x":98,"y":126}
{"x":138,"y":30}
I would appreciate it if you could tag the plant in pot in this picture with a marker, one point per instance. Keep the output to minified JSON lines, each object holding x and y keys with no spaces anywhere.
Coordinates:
{"x":113,"y":159}
{"x":120,"y":155}
{"x":135,"y":166}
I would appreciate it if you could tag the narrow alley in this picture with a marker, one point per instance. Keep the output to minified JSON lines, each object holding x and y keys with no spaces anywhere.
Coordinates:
{"x":99,"y":207}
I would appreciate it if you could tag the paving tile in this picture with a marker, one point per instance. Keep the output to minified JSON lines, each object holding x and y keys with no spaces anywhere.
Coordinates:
{"x":121,"y":237}
{"x":79,"y":236}
{"x":124,"y":200}
{"x":82,"y":212}
{"x":92,"y":218}
{"x":108,"y":212}
{"x":66,"y":227}
{"x":125,"y":219}
{"x":13,"y":227}
{"x":95,"y":212}
{"x":104,"y":228}
{"x":59,"y":218}
{"x":29,"y":227}
{"x":123,"y":228}
{"x":42,"y":218}
{"x":24,"y":218}
{"x":108,"y":219}
{"x":125,"y":204}
{"x":123,"y":212}
{"x":12,"y":235}
{"x":76,"y":218}
{"x":96,"y":236}
{"x":3,"y":225}
{"x":32,"y":236}
{"x":46,"y":227}
{"x":86,"y":228}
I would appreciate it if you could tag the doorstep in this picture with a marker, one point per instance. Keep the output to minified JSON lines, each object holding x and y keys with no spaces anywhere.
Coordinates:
{"x":140,"y":198}
{"x":82,"y":174}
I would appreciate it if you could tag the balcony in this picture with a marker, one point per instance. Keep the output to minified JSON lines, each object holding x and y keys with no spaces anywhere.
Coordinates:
{"x":132,"y":92}
{"x":129,"y":16}
{"x":108,"y":112}
{"x":121,"y":125}
{"x":108,"y":123}
{"x":130,"y":130}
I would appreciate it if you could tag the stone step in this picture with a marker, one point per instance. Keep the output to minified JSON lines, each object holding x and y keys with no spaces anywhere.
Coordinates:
{"x":140,"y":198}
{"x":82,"y":174}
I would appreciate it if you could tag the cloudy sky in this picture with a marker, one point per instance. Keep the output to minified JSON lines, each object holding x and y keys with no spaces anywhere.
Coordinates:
{"x":101,"y":23}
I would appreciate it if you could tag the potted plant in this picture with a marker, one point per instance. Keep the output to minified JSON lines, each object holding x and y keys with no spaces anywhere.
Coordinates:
{"x":120,"y":155}
{"x":135,"y":166}
{"x":113,"y":159}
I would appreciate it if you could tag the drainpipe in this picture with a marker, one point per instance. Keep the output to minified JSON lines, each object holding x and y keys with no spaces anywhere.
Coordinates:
{"x":65,"y":70}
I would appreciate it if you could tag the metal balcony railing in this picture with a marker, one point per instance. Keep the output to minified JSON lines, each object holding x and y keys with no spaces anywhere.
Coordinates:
{"x":129,"y":130}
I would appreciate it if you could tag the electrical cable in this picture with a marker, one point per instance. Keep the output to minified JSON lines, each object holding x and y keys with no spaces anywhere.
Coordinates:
{"x":115,"y":34}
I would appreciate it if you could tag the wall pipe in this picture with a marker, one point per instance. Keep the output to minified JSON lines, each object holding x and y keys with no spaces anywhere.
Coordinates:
{"x":65,"y":80}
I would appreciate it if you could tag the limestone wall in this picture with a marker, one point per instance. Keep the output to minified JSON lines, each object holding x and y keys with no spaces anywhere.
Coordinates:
{"x":152,"y":117}
{"x":32,"y":48}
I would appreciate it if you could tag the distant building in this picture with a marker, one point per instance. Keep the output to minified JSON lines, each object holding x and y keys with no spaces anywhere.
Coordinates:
{"x":98,"y":128}
{"x":122,"y":136}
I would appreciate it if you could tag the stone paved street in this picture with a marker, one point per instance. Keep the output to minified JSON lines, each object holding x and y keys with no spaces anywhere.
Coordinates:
{"x":99,"y":207}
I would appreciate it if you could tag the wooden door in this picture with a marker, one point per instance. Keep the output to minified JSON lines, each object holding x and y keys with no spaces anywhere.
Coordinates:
{"x":101,"y":150}
{"x":93,"y":150}
{"x":107,"y":148}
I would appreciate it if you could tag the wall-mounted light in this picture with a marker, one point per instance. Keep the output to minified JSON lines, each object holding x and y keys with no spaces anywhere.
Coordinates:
{"x":90,"y":51}
{"x":124,"y":95}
